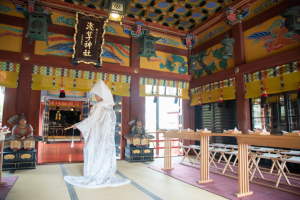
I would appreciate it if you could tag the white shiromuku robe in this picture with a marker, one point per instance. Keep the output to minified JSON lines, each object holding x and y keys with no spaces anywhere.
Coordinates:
{"x":98,"y":131}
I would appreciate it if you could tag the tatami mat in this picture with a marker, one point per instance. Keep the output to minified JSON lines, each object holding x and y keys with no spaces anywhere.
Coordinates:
{"x":46,"y":182}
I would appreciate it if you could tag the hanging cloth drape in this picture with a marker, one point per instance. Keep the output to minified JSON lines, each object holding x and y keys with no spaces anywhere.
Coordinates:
{"x":211,"y":92}
{"x":9,"y":74}
{"x":159,"y":87}
{"x":278,"y":79}
{"x":49,"y":78}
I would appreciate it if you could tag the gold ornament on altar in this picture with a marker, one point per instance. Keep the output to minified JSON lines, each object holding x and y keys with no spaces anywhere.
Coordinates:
{"x":136,"y":151}
{"x":9,"y":157}
{"x":25,"y":156}
{"x":147,"y":151}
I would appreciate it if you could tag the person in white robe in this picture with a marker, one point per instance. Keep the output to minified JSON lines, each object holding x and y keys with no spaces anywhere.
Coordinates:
{"x":98,"y":131}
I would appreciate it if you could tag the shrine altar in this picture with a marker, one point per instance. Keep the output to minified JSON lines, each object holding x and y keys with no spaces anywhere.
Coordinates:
{"x":243,"y":140}
{"x":2,"y":138}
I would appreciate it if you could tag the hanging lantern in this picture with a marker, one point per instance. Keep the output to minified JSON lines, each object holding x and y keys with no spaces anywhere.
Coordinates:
{"x":147,"y":44}
{"x":292,"y":20}
{"x":228,"y":48}
{"x":62,"y":93}
{"x":193,"y":62}
{"x":220,"y":102}
{"x":38,"y":18}
{"x":57,"y":107}
{"x":263,"y":99}
{"x":117,"y":10}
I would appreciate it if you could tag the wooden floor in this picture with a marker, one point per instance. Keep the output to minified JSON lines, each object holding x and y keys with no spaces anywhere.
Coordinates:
{"x":60,"y":152}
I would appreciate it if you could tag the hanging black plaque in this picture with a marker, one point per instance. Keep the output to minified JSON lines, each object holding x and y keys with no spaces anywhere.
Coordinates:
{"x":88,"y":39}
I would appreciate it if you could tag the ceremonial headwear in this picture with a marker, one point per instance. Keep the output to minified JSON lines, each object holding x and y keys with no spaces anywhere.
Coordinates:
{"x":22,"y":117}
{"x":101,"y":90}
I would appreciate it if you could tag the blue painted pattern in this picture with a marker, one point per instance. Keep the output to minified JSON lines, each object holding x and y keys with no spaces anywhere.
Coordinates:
{"x":134,"y":10}
{"x":5,"y":8}
{"x":143,"y":1}
{"x":163,"y":4}
{"x":211,"y":5}
{"x":153,"y":14}
{"x":181,"y":10}
{"x":196,"y":15}
{"x":184,"y":23}
{"x":169,"y":19}
{"x":193,"y":1}
{"x":69,"y":21}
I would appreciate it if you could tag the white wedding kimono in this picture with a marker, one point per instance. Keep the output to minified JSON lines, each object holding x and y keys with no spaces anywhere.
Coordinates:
{"x":98,"y":131}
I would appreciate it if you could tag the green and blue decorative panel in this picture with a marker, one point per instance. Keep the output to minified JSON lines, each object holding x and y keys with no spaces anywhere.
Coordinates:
{"x":211,"y":6}
{"x":163,"y":6}
{"x":143,"y":2}
{"x":197,"y":15}
{"x":193,"y":2}
{"x":152,"y":15}
{"x":185,"y":24}
{"x":134,"y":11}
{"x":180,"y":11}
{"x":169,"y":20}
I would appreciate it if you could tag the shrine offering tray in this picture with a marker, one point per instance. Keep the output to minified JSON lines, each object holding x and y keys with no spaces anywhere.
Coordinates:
{"x":291,"y":134}
{"x":233,"y":132}
{"x":187,"y":131}
{"x":203,"y":131}
{"x":259,"y":133}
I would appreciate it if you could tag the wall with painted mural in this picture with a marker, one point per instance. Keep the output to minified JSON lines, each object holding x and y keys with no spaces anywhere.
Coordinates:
{"x":8,"y":8}
{"x":62,"y":45}
{"x":116,"y":53}
{"x":269,"y":38}
{"x":166,"y":62}
{"x":211,"y":33}
{"x":169,"y":41}
{"x":11,"y":38}
{"x":261,"y":6}
{"x":212,"y":62}
{"x":59,"y":45}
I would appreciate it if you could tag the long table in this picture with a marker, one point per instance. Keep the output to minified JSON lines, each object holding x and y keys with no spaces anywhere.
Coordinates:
{"x":243,"y":141}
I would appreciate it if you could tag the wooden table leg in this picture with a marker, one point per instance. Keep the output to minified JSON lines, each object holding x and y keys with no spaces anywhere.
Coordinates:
{"x":2,"y":144}
{"x":204,"y":160}
{"x":243,"y":171}
{"x":168,"y":154}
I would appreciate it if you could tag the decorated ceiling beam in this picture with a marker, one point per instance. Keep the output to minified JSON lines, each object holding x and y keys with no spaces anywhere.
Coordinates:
{"x":73,"y":8}
{"x":217,"y":17}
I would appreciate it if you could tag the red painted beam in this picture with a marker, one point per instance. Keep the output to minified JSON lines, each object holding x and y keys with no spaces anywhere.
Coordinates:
{"x":272,"y":61}
{"x":210,"y":43}
{"x":117,"y":39}
{"x":12,"y":20}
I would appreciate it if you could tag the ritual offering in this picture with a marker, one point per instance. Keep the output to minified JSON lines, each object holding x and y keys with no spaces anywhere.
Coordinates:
{"x":203,"y":131}
{"x":187,"y":130}
{"x":137,"y":148}
{"x":234,"y":131}
{"x":263,"y":132}
{"x":19,"y":152}
{"x":174,"y":130}
{"x":293,"y":133}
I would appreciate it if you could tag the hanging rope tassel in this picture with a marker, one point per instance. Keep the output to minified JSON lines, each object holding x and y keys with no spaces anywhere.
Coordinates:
{"x":62,"y":93}
{"x":220,"y":102}
{"x":199,"y":102}
{"x":72,"y":144}
{"x":155,"y":97}
{"x":264,"y":95}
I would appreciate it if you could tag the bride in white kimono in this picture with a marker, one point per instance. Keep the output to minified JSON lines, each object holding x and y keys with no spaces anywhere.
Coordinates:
{"x":98,"y":131}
